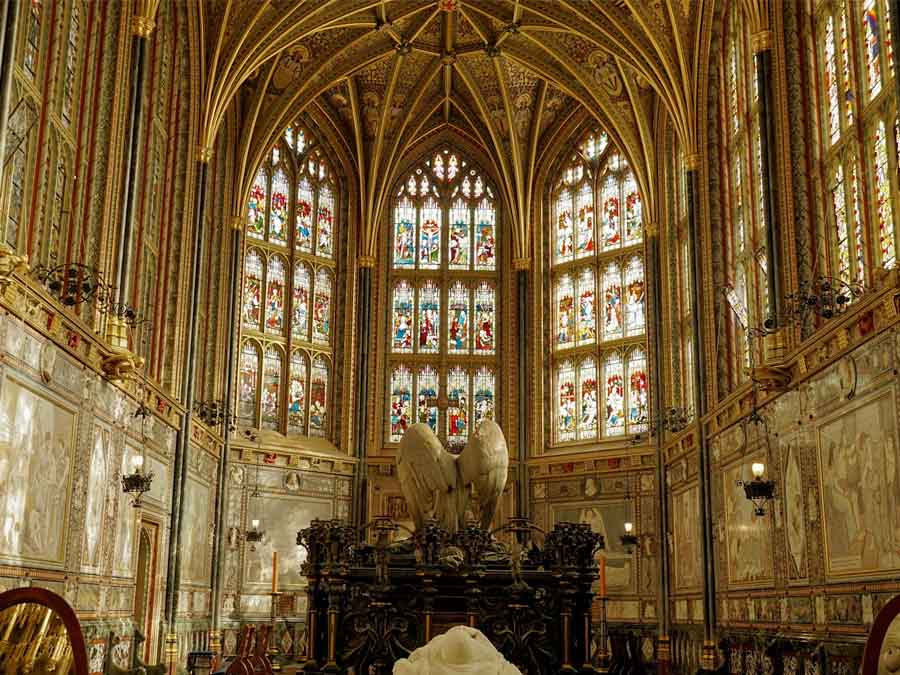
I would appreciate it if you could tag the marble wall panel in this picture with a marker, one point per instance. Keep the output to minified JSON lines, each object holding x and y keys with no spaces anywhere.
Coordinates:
{"x":748,"y":535}
{"x":608,"y":519}
{"x":686,"y":557}
{"x":196,"y":543}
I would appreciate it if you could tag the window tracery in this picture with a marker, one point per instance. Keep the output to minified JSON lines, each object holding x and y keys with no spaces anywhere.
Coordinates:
{"x":288,"y":290}
{"x":442,"y":297}
{"x":599,"y":373}
{"x":857,"y":119}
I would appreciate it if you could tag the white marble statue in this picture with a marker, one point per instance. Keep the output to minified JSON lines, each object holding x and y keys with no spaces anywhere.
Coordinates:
{"x":437,"y":484}
{"x":460,"y":650}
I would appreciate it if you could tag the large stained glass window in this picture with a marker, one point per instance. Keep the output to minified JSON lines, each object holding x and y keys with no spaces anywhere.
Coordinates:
{"x":597,"y":296}
{"x":442,"y":299}
{"x":857,"y":160}
{"x":288,"y":291}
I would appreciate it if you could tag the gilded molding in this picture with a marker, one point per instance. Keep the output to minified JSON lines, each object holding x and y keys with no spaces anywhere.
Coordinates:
{"x":203,"y":153}
{"x":365,"y":261}
{"x":521,"y":264}
{"x":761,"y":41}
{"x":142,"y":26}
{"x":651,"y":230}
{"x":692,"y":161}
{"x":237,"y":223}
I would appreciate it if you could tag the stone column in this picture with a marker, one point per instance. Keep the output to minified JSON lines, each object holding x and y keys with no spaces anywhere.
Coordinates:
{"x":218,"y":562}
{"x":522,"y":267}
{"x":364,"y":337}
{"x":651,"y":233}
{"x":116,"y":333}
{"x":709,"y":659}
{"x":183,"y":446}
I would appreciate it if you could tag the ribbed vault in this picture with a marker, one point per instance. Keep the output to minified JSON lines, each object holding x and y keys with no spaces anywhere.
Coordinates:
{"x":507,"y":74}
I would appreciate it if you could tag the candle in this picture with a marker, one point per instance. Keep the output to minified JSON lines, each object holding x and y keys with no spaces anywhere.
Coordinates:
{"x":603,"y":577}
{"x":274,"y":571}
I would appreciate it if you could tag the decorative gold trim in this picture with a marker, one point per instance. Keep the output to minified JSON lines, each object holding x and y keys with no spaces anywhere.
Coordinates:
{"x":651,"y":230}
{"x":761,"y":41}
{"x":710,"y":657}
{"x":10,"y":264}
{"x":367,"y":261}
{"x":692,"y":161}
{"x":204,"y":153}
{"x":237,"y":223}
{"x":142,"y":26}
{"x":521,"y":264}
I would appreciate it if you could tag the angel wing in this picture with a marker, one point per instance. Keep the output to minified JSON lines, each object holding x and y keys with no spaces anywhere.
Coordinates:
{"x":428,"y":477}
{"x":484,"y":463}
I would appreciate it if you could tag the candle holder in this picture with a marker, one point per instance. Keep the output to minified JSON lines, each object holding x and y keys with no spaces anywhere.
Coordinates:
{"x":603,"y":656}
{"x":272,"y":651}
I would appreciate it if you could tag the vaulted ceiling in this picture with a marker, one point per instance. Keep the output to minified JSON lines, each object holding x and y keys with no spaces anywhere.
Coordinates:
{"x":509,"y":76}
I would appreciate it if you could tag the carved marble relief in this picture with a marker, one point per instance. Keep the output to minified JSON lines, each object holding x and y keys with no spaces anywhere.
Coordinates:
{"x":687,"y":563}
{"x":98,"y":477}
{"x":858,"y":467}
{"x":794,"y":513}
{"x":748,"y":535}
{"x":125,"y":522}
{"x":195,"y":535}
{"x":36,"y":448}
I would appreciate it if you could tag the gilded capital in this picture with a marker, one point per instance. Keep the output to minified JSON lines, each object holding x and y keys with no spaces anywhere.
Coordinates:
{"x":692,"y":161}
{"x":651,"y":230}
{"x":761,"y":41}
{"x":366,"y":261}
{"x":237,"y":223}
{"x":203,"y":154}
{"x":521,"y":264}
{"x":142,"y":26}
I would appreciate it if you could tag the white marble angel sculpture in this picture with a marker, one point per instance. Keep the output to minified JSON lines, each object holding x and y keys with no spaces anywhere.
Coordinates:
{"x":438,"y":484}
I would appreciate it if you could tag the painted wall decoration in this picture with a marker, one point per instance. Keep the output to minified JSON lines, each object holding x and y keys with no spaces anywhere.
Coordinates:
{"x":794,"y":512}
{"x":748,"y":536}
{"x":195,"y":544}
{"x":687,"y":562}
{"x":95,"y":505}
{"x":125,"y":521}
{"x":281,"y":518}
{"x":36,"y":448}
{"x":860,"y":488}
{"x":607,"y":519}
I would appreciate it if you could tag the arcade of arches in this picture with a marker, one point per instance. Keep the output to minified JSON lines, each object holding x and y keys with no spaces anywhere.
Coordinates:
{"x":246,"y":245}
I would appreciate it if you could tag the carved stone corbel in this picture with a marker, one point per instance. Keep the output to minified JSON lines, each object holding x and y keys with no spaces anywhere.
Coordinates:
{"x":11,"y":263}
{"x":120,"y":365}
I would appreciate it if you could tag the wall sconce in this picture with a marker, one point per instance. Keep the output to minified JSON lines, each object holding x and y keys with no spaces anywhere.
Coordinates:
{"x":759,"y":491}
{"x":137,"y":482}
{"x":629,"y":539}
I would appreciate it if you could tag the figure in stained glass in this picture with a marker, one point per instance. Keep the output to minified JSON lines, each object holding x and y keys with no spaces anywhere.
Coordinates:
{"x":615,"y":397}
{"x":612,"y":297}
{"x":426,"y":400}
{"x":872,"y":33}
{"x":430,"y":236}
{"x":587,"y":318}
{"x":585,"y":245}
{"x":484,"y":319}
{"x":271,"y":389}
{"x":252,"y":305}
{"x":297,"y":394}
{"x":322,"y":308}
{"x":278,"y":215}
{"x":325,"y":223}
{"x":256,"y":206}
{"x":566,"y":402}
{"x":248,"y":383}
{"x":484,"y":236}
{"x":564,"y":226}
{"x":484,"y":395}
{"x":303,"y":215}
{"x":611,"y":235}
{"x":634,"y":297}
{"x":458,"y":332}
{"x":318,"y":393}
{"x":457,"y":411}
{"x":300,"y":322}
{"x":587,"y":423}
{"x":637,"y":390}
{"x":429,"y":317}
{"x":565,"y":312}
{"x":402,"y":318}
{"x":401,"y":402}
{"x":459,"y":244}
{"x":275,"y":296}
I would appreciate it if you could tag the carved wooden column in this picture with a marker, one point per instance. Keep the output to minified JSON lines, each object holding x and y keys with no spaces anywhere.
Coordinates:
{"x":141,"y":29}
{"x":183,"y":445}
{"x":9,"y":19}
{"x":522,"y":266}
{"x":651,"y":233}
{"x":364,"y":336}
{"x":709,"y":659}
{"x":218,"y":561}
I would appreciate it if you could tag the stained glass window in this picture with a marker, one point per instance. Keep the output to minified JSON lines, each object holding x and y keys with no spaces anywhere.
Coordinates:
{"x":484,"y":318}
{"x":458,"y":410}
{"x":275,"y":295}
{"x":443,"y":286}
{"x":638,"y":394}
{"x":271,"y":417}
{"x":322,"y":308}
{"x":297,"y":394}
{"x":886,"y":235}
{"x":872,"y":46}
{"x":587,"y":310}
{"x":831,"y":82}
{"x":430,"y":236}
{"x":427,"y":397}
{"x":458,"y":328}
{"x":301,"y":291}
{"x":251,"y":311}
{"x":256,"y":206}
{"x":71,"y":61}
{"x":565,"y":312}
{"x":485,"y":255}
{"x":460,"y":243}
{"x":429,"y":318}
{"x":288,"y":293}
{"x":484,"y":395}
{"x":634,"y":297}
{"x":33,"y":37}
{"x":845,"y":67}
{"x":318,"y":394}
{"x":565,"y":387}
{"x":401,"y":402}
{"x":587,"y":399}
{"x":278,"y":208}
{"x":583,"y":273}
{"x":248,"y":383}
{"x":614,"y":423}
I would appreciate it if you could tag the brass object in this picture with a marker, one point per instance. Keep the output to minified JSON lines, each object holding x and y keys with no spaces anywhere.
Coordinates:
{"x":142,"y":26}
{"x":34,"y":639}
